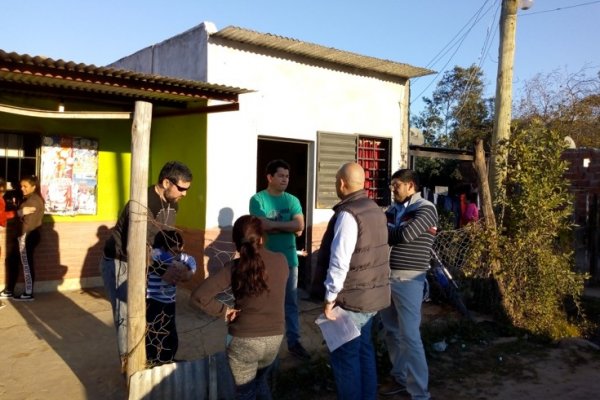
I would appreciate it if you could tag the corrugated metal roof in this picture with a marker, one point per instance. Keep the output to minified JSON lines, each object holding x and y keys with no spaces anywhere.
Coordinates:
{"x":17,"y":70}
{"x":321,"y":53}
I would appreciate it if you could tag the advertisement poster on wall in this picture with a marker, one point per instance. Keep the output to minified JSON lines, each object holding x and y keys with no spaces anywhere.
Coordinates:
{"x":69,"y":175}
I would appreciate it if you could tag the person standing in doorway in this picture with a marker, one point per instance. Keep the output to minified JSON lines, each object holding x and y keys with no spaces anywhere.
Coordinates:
{"x":412,"y":225}
{"x":283,"y":220}
{"x":354,"y":250}
{"x":30,"y":215}
{"x":174,"y":180}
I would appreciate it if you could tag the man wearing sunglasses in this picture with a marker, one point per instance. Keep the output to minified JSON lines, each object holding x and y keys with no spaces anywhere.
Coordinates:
{"x":174,"y":180}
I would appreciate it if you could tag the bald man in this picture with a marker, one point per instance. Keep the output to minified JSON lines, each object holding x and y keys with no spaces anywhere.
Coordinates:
{"x":354,"y":251}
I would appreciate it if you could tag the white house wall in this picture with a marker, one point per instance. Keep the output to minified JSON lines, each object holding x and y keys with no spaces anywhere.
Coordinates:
{"x":293,"y":100}
{"x":182,"y":56}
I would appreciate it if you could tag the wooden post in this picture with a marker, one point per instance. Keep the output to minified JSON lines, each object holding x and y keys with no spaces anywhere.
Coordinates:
{"x":136,"y":243}
{"x":484,"y":186}
{"x":503,"y":101}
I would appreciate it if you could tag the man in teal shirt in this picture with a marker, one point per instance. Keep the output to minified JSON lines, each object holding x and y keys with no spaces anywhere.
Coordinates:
{"x":283,"y":220}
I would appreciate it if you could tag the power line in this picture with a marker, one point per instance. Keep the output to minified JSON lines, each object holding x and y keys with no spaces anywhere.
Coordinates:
{"x":484,"y":52}
{"x":479,"y":14}
{"x":441,"y":53}
{"x":559,"y":8}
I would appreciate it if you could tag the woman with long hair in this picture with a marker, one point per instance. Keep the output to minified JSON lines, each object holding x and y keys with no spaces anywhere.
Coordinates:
{"x":30,"y":214}
{"x":256,"y":321}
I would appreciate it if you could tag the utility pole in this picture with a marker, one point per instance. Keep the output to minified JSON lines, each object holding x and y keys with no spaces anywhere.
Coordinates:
{"x":503,"y":101}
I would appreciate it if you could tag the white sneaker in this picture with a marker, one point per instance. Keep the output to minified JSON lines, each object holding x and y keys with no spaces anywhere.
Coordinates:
{"x":24,"y":297}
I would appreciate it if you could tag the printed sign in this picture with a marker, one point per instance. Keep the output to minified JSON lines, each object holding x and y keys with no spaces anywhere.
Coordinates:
{"x":69,"y":175}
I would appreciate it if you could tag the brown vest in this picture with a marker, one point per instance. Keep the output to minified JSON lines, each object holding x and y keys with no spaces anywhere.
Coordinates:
{"x":367,"y":286}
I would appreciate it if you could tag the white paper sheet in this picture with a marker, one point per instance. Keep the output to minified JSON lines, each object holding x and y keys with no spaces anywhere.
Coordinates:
{"x":339,"y":331}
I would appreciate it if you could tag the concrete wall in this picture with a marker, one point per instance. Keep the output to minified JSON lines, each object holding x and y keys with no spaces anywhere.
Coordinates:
{"x":292,"y":100}
{"x":182,"y":56}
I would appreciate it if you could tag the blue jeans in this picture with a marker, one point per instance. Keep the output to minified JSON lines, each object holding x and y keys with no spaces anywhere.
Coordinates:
{"x":402,"y":320}
{"x":292,"y":319}
{"x":114,"y":275}
{"x":353,"y":363}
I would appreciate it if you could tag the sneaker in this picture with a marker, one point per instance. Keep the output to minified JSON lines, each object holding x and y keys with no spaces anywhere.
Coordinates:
{"x":298,"y":351}
{"x":391,"y":388}
{"x":24,"y":297}
{"x":6,"y":294}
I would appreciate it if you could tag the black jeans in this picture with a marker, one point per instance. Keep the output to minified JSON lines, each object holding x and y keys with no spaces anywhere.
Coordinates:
{"x":20,"y":253}
{"x":161,"y":335}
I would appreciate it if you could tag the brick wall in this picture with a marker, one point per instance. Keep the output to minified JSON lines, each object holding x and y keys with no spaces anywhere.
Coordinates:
{"x":67,"y":256}
{"x":585,"y":181}
{"x":69,"y":253}
{"x":584,"y":175}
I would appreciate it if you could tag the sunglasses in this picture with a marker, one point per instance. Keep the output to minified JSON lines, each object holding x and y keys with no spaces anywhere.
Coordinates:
{"x":180,"y":188}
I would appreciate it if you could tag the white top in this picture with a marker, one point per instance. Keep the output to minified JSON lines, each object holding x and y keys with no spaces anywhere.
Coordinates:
{"x":345,"y":236}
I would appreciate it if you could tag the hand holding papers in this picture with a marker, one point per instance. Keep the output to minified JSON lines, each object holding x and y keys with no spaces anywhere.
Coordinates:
{"x":339,"y":331}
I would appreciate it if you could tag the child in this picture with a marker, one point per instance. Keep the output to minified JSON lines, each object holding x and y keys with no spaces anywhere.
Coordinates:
{"x":169,"y":267}
{"x":472,"y":212}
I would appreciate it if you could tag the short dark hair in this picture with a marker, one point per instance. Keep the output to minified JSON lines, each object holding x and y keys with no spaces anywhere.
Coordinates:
{"x":407,"y":175}
{"x":175,"y":171}
{"x":274,"y":165}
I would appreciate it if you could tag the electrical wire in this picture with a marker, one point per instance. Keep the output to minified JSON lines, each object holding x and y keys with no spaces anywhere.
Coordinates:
{"x":559,"y":8}
{"x":479,"y":14}
{"x":484,"y":52}
{"x":441,"y":53}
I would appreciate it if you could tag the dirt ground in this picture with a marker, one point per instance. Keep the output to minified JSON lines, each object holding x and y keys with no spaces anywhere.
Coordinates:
{"x":508,"y":368}
{"x":561,"y":373}
{"x":62,"y":346}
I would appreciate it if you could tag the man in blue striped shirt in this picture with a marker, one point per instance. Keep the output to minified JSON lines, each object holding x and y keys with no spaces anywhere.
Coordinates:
{"x":412,"y":224}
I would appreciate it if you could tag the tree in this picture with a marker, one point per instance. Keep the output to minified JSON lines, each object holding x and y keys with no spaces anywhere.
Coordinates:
{"x":531,"y":261}
{"x":457,"y":113}
{"x":568,"y":103}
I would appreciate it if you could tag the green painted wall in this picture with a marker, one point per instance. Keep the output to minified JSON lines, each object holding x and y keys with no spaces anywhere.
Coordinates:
{"x":182,"y":138}
{"x":114,"y":156}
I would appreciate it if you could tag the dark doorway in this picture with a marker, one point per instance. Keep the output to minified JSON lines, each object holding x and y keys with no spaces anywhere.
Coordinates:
{"x":294,"y":153}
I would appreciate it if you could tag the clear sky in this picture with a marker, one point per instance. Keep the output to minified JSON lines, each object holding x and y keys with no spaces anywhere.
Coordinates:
{"x":437,"y":34}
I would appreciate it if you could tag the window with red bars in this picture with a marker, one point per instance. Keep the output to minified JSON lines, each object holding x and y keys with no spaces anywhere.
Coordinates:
{"x":373,"y":154}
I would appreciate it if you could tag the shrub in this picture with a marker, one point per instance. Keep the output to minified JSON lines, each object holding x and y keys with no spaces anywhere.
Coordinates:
{"x":528,"y":259}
